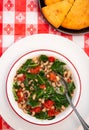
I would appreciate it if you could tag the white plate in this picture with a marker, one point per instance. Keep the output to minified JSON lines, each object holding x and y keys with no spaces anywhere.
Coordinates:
{"x":52,"y":42}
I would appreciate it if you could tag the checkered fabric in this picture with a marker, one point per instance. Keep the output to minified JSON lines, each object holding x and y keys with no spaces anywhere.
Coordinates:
{"x":20,"y":18}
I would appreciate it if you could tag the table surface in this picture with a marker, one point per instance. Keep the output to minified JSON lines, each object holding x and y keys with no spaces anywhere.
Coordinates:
{"x":21,"y":18}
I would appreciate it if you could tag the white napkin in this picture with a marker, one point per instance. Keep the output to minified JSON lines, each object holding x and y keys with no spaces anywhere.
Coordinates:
{"x":80,"y":127}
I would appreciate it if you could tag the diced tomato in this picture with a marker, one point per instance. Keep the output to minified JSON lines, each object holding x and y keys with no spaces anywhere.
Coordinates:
{"x":52,"y":76}
{"x":21,"y":77}
{"x":19,"y":92}
{"x":48,"y":104}
{"x":42,"y":86}
{"x":68,"y":80}
{"x":53,"y":112}
{"x":51,"y":58}
{"x":20,"y":95}
{"x":36,"y":109}
{"x":35,"y":70}
{"x":20,"y":100}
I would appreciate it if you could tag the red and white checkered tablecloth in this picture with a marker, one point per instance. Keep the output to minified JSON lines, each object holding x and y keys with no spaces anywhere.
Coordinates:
{"x":20,"y":18}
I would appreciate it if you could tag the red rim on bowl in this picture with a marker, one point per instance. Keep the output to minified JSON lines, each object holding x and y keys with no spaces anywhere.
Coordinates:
{"x":31,"y":53}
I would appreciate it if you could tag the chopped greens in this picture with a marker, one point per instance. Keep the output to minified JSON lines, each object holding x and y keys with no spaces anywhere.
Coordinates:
{"x":58,"y":67}
{"x":43,"y":58}
{"x":14,"y":93}
{"x":15,"y":85}
{"x":71,"y":87}
{"x":28,"y":64}
{"x":62,"y":90}
{"x":42,"y":115}
{"x":40,"y":79}
{"x":32,"y":103}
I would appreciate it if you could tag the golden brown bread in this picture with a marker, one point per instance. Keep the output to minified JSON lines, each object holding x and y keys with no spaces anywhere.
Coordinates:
{"x":48,"y":2}
{"x":78,"y":16}
{"x":71,"y":1}
{"x":55,"y":13}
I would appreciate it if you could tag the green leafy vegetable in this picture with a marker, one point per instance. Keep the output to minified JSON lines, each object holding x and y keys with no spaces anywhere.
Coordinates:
{"x":40,"y":93}
{"x":14,"y":93}
{"x":71,"y":87}
{"x":43,"y":58}
{"x":15,"y":85}
{"x":32,"y":103}
{"x":49,"y":92}
{"x":41,"y":73}
{"x":62,"y":89}
{"x":59,"y":100}
{"x":58,"y":67}
{"x":26,"y":83}
{"x":28,"y":64}
{"x":31,"y":76}
{"x":40,"y":79}
{"x":42,"y":115}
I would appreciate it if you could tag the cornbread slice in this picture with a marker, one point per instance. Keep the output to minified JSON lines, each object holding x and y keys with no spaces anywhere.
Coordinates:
{"x":78,"y":16}
{"x":71,"y":1}
{"x":48,"y":2}
{"x":55,"y":13}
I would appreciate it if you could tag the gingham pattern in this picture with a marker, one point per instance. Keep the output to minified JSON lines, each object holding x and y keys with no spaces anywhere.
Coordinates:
{"x":20,"y":18}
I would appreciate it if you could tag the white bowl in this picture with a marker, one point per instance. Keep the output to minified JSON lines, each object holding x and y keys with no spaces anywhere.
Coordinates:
{"x":9,"y":85}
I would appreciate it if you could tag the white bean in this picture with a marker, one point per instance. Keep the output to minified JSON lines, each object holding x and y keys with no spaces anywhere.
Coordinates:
{"x":63,"y":108}
{"x":19,"y":105}
{"x":34,"y":96}
{"x":24,"y":111}
{"x":33,"y":113}
{"x":44,"y":109}
{"x":42,"y":100}
{"x":22,"y":85}
{"x":58,"y":78}
{"x":53,"y":84}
